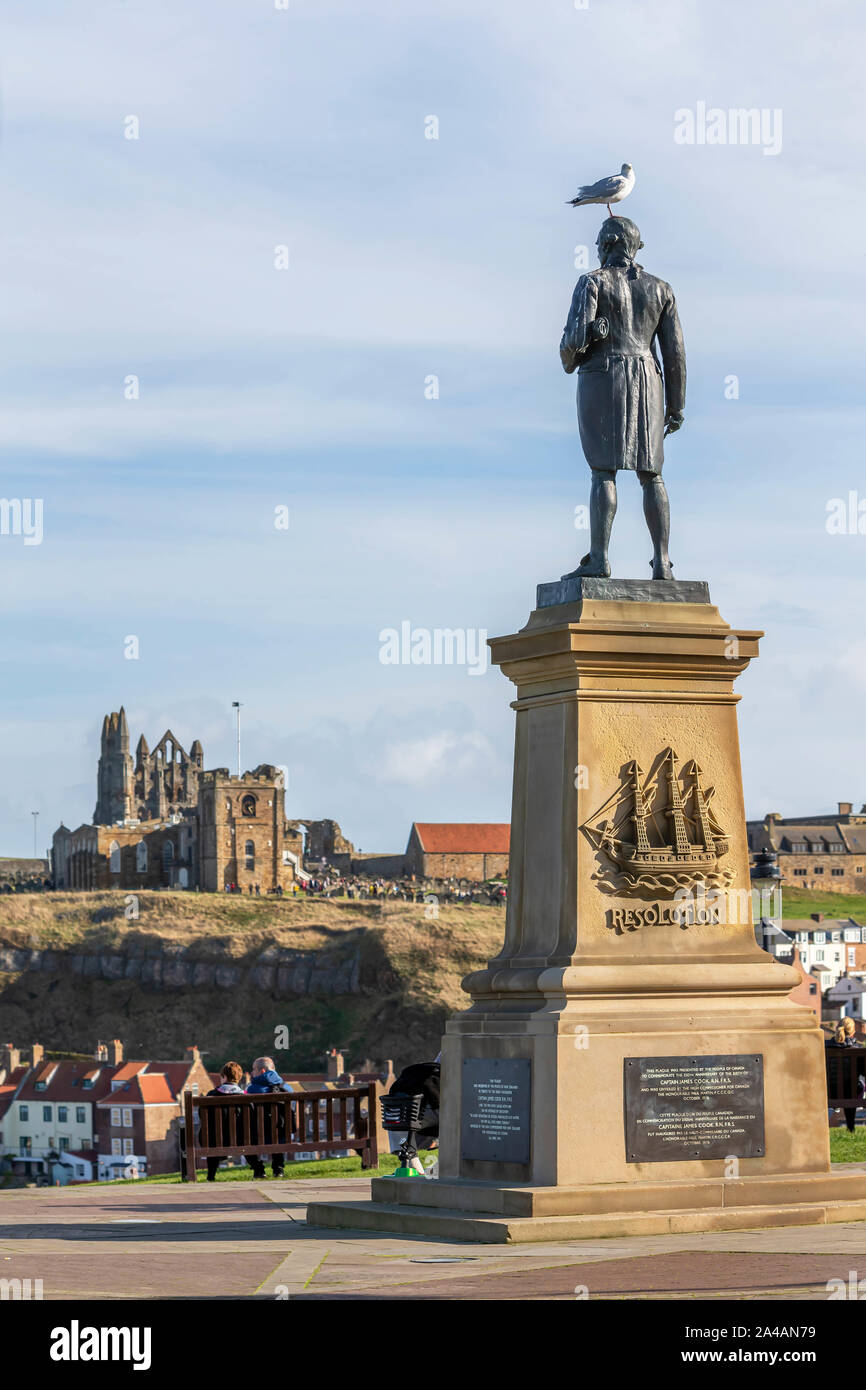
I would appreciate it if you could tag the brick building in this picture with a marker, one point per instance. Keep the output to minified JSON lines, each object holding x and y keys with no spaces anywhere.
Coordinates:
{"x":824,"y":852}
{"x":164,"y":822}
{"x":105,"y":1111}
{"x":460,"y":851}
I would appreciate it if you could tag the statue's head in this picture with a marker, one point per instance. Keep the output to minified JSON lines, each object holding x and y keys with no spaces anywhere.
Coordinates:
{"x":619,"y":239}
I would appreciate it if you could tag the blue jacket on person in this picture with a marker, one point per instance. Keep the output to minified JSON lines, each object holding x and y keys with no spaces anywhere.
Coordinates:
{"x":264,"y":1082}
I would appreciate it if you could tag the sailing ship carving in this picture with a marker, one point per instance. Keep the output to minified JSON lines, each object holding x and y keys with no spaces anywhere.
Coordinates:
{"x":659,"y":831}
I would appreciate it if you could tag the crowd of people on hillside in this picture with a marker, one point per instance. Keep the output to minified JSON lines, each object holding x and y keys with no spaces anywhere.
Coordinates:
{"x":363,"y":889}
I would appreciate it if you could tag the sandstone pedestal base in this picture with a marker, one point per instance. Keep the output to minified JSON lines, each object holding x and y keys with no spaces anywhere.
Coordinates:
{"x":485,"y":1213}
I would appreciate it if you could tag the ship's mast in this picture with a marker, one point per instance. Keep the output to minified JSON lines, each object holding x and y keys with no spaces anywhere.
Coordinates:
{"x":675,"y":808}
{"x":703,"y":815}
{"x":641,"y":839}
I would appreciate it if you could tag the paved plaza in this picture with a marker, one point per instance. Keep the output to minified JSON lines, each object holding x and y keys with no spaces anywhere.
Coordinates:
{"x":250,"y":1240}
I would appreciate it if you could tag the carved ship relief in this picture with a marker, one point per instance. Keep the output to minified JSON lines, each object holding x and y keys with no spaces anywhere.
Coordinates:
{"x":659,"y":832}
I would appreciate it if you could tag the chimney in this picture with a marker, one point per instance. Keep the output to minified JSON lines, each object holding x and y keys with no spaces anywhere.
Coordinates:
{"x":11,"y":1058}
{"x":817,"y":916}
{"x":195,"y":1055}
{"x":101,"y":1053}
{"x":845,"y":808}
{"x":115,"y":1052}
{"x":37,"y":1052}
{"x":336,"y":1065}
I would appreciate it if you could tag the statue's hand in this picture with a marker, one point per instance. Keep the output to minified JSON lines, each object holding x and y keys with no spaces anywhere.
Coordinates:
{"x":673,"y":423}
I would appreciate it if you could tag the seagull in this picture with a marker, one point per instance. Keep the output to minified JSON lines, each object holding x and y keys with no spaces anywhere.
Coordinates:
{"x":610,"y":190}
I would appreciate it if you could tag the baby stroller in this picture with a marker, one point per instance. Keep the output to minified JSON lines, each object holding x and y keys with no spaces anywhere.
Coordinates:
{"x":412,"y":1106}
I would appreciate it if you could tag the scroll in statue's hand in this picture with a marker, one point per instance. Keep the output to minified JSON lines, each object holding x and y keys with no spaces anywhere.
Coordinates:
{"x":600,"y":327}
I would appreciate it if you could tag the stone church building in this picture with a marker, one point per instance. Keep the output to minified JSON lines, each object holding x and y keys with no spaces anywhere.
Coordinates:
{"x":162,"y":821}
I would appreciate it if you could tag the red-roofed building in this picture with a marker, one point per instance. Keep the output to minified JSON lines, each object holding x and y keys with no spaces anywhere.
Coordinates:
{"x":458,"y":850}
{"x":73,"y":1107}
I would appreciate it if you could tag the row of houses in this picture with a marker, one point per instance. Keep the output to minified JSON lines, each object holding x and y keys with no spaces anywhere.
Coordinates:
{"x":99,"y":1118}
{"x":830,"y":956}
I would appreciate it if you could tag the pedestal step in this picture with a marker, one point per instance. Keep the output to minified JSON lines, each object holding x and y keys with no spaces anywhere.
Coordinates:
{"x":444,"y":1224}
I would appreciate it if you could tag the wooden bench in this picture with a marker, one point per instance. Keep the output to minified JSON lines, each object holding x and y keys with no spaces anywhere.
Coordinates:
{"x":230,"y":1126}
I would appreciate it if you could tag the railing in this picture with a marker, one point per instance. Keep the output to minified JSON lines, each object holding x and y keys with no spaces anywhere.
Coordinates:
{"x":844,"y":1066}
{"x":231,"y":1126}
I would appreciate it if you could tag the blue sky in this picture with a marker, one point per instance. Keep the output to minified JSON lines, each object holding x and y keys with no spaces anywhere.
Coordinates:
{"x":305,"y":388}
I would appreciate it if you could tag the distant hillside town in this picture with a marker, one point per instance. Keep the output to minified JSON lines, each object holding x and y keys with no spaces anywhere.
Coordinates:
{"x":163,"y":821}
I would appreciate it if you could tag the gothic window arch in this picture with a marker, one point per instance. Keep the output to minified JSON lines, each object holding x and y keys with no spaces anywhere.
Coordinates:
{"x":249,"y":855}
{"x":167,"y":854}
{"x":114,"y":857}
{"x":248,"y":805}
{"x":141,"y":857}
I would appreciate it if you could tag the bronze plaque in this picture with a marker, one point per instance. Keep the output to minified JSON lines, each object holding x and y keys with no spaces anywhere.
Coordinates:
{"x":494,"y":1111}
{"x":680,"y":1108}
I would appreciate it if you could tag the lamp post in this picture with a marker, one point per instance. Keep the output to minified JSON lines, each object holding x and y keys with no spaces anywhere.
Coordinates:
{"x":766,"y":877}
{"x":236,"y":704}
{"x":35,"y":815}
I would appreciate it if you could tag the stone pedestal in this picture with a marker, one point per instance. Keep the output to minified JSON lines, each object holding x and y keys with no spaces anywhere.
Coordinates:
{"x":629,"y":943}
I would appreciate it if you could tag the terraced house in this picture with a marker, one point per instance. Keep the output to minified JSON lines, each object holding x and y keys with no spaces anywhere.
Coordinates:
{"x":100,"y":1117}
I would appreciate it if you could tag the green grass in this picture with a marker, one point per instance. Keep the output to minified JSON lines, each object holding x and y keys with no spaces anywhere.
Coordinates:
{"x":848,"y":1148}
{"x":314,"y":1168}
{"x":802,"y":902}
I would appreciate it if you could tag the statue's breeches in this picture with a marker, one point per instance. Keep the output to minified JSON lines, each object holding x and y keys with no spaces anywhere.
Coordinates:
{"x":621,"y":413}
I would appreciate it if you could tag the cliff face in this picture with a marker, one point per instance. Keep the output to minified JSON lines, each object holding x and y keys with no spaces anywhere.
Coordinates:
{"x":237,"y":976}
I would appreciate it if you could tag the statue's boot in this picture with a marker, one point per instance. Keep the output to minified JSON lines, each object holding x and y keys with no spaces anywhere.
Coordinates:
{"x":590,"y":568}
{"x":662,"y":568}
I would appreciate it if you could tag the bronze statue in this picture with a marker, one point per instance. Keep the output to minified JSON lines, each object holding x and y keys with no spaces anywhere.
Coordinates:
{"x":626,"y":402}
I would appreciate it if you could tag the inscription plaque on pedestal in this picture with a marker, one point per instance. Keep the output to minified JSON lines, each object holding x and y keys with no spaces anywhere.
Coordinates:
{"x":495,"y":1113}
{"x":693,"y":1107}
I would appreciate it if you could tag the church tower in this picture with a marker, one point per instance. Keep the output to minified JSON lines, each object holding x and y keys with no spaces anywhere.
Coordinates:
{"x":115,"y":775}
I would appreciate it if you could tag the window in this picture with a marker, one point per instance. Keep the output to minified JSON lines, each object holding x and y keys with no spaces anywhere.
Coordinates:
{"x":116,"y":1146}
{"x":24,"y":1113}
{"x":820,"y":937}
{"x":26,"y":1143}
{"x":852,"y":934}
{"x":836,"y":936}
{"x":249,"y":855}
{"x":248,"y":805}
{"x":819,"y":869}
{"x":141,"y":857}
{"x":63,"y":1142}
{"x":813,"y":989}
{"x":62,"y":1114}
{"x":167,"y":854}
{"x":799,"y":848}
{"x":127,"y":1146}
{"x":852,"y":957}
{"x":114,"y":857}
{"x":115,"y":1117}
{"x":127,"y":1117}
{"x":837,"y":873}
{"x":835,"y":847}
{"x":79,"y":1170}
{"x":819,"y":955}
{"x":80,"y":1115}
{"x":46,"y":1112}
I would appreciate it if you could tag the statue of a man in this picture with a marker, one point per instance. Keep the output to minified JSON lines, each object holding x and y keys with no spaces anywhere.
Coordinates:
{"x":626,"y":401}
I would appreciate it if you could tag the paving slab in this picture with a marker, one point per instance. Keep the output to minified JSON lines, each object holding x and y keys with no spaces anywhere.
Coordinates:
{"x":250,"y":1240}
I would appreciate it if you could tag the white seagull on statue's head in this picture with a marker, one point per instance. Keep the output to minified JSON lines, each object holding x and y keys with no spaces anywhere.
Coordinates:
{"x":611,"y":190}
